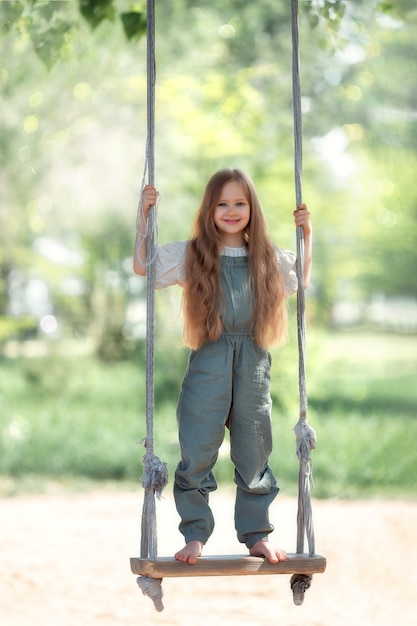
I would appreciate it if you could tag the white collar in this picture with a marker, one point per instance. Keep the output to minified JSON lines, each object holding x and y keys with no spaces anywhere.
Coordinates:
{"x":236,"y":252}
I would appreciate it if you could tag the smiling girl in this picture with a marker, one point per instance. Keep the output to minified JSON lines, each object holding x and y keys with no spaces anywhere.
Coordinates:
{"x":235,"y":285}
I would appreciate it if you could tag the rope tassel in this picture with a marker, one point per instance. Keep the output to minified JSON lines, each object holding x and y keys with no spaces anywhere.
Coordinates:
{"x":152,"y":587}
{"x":154,"y":481}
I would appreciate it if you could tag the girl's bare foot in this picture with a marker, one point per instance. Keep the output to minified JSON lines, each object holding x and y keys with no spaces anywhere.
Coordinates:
{"x":190,"y":552}
{"x":268,"y":550}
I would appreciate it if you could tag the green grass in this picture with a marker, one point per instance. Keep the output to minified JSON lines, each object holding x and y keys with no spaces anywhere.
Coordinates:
{"x":72,"y":418}
{"x":363,"y":398}
{"x":69,"y":416}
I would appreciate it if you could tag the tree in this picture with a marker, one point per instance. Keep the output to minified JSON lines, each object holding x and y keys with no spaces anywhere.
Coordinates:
{"x":53,"y":24}
{"x":73,"y":129}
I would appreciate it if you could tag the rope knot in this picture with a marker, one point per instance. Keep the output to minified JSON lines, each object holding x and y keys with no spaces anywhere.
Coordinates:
{"x":306,"y":440}
{"x":299,"y":585}
{"x":155,"y":474}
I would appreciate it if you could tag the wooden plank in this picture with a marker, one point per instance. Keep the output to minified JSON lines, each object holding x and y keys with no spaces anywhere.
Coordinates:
{"x":230,"y":565}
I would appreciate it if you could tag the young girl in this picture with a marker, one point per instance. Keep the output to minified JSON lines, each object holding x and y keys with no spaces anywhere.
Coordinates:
{"x":235,"y":284}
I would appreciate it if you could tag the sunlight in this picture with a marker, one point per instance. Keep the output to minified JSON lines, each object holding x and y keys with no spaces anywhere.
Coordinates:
{"x":331,"y":148}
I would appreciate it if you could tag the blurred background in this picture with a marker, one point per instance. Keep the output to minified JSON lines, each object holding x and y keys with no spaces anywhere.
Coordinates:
{"x":73,"y":139}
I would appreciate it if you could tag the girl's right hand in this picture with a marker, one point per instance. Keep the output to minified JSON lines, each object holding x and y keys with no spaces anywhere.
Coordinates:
{"x":149,"y":198}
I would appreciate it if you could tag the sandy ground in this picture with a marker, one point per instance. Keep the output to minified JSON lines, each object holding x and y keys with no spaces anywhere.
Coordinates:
{"x":65,"y":562}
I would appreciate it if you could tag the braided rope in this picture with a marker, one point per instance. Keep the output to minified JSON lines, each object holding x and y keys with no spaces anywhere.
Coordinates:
{"x":305,"y":435}
{"x":155,"y":474}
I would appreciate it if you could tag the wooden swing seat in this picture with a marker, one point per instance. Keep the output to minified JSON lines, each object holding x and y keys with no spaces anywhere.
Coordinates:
{"x":229,"y":565}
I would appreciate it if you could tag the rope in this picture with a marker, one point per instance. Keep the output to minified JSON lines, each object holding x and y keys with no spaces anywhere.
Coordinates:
{"x":155,"y":474}
{"x":305,"y":435}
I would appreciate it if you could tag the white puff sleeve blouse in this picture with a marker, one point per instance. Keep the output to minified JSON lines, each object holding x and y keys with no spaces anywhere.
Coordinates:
{"x":169,"y":265}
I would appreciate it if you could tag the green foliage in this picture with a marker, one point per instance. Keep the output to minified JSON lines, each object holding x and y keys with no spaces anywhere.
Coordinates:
{"x":49,"y":28}
{"x":49,"y":25}
{"x":133,"y":20}
{"x":10,"y":13}
{"x":95,"y":11}
{"x":17,"y":328}
{"x":134,"y":24}
{"x":73,"y":139}
{"x":330,"y":11}
{"x":53,"y":25}
{"x":399,"y":9}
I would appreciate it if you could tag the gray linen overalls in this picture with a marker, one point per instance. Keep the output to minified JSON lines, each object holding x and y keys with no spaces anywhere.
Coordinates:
{"x":227,"y":383}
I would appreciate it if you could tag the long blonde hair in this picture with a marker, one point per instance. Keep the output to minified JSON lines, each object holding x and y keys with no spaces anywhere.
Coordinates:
{"x":202,"y":320}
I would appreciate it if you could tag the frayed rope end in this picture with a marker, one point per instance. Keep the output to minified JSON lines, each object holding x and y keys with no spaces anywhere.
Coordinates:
{"x":152,"y":587}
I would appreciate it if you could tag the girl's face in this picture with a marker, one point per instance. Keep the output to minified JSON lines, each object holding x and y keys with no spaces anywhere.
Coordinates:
{"x":232,"y":214}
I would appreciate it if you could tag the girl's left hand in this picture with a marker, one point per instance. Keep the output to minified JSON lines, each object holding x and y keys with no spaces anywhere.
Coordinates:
{"x":302,"y":218}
